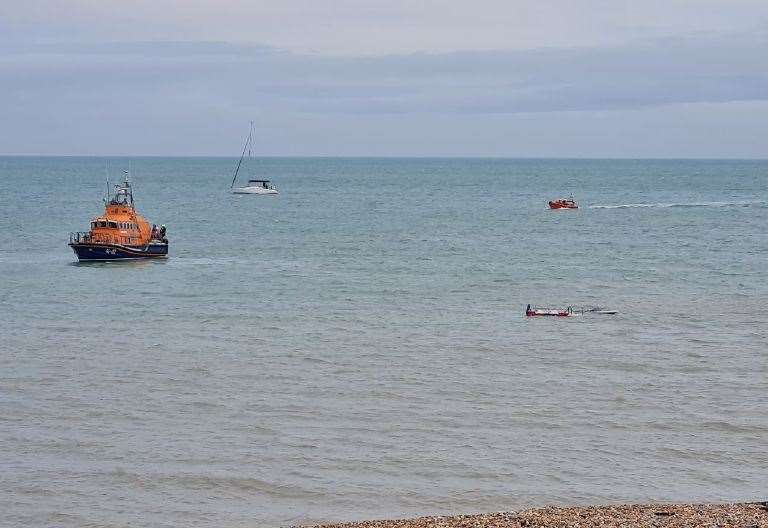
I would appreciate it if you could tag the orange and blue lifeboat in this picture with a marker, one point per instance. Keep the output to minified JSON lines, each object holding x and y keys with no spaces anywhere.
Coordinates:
{"x":120,"y":233}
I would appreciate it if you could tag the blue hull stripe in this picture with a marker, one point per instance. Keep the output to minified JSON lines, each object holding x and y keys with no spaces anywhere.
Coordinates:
{"x":116,"y":252}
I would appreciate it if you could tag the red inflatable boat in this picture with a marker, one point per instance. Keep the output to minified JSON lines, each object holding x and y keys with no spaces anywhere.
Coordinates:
{"x":563,"y":203}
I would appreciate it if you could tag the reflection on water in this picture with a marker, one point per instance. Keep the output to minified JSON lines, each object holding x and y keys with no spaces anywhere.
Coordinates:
{"x":128,"y":263}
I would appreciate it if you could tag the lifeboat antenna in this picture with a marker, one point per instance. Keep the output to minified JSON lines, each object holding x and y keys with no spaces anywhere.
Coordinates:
{"x":106,"y":176}
{"x":127,"y":186}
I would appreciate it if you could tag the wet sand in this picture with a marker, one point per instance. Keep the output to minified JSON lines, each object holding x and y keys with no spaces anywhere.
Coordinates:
{"x":740,"y":515}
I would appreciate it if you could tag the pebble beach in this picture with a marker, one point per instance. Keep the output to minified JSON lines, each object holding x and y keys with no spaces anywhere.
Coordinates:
{"x":737,"y":515}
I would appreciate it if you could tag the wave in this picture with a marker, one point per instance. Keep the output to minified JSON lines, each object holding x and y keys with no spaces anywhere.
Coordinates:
{"x":687,"y":204}
{"x":219,"y":482}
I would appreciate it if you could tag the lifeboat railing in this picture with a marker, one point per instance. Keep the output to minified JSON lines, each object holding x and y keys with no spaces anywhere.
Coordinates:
{"x":86,"y":237}
{"x":79,"y":237}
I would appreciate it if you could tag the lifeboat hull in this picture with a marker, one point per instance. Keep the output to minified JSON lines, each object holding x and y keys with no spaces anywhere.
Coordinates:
{"x":91,"y":251}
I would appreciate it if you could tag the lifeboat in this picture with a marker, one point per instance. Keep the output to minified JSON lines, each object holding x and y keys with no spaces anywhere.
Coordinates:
{"x":120,"y":233}
{"x":563,"y":203}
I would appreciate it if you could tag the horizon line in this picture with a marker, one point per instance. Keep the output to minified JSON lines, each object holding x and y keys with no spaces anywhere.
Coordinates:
{"x":234,"y":156}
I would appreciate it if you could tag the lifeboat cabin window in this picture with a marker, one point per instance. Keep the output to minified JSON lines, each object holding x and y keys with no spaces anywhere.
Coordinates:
{"x":113,"y":225}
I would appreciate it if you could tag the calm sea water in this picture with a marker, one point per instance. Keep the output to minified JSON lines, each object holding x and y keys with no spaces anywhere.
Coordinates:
{"x":356,"y":348}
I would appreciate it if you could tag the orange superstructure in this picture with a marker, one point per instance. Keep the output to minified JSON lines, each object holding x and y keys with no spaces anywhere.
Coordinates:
{"x":120,"y":225}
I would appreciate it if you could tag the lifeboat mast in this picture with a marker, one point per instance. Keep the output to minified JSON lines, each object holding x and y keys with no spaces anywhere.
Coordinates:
{"x":123,"y":193}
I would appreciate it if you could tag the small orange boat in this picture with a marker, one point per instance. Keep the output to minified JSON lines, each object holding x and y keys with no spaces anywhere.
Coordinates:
{"x":120,"y":233}
{"x":563,"y":203}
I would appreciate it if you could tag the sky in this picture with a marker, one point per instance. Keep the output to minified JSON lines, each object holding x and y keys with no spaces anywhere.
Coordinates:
{"x":511,"y":78}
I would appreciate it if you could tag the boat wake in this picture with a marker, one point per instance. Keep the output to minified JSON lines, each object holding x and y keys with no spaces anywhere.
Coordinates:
{"x":688,"y":204}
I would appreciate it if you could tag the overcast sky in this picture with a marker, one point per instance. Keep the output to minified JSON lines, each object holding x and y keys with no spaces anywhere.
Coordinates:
{"x":545,"y":78}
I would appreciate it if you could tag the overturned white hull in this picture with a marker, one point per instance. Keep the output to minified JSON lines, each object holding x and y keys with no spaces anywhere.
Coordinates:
{"x":254,"y":190}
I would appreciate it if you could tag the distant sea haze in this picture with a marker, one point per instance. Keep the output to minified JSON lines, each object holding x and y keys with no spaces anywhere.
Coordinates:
{"x":355,"y":347}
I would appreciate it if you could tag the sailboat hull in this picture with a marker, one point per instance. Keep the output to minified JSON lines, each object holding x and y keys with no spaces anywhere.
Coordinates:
{"x":253,"y":190}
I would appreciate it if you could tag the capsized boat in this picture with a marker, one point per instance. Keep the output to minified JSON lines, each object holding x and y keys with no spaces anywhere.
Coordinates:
{"x":535,"y":311}
{"x":254,"y":186}
{"x":563,"y":203}
{"x":120,"y":233}
{"x":602,"y":311}
{"x":570,"y":311}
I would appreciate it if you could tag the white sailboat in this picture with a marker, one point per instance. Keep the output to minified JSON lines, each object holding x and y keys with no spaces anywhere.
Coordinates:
{"x":254,"y":186}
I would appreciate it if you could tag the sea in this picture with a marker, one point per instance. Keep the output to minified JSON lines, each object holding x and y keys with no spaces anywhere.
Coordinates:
{"x":356,"y":346}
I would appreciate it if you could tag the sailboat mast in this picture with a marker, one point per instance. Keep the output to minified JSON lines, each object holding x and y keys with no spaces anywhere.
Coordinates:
{"x":245,"y":147}
{"x":250,"y":139}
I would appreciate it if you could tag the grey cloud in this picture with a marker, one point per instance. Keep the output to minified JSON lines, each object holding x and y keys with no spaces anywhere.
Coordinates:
{"x":704,"y":69}
{"x":110,"y":96}
{"x":354,"y":28}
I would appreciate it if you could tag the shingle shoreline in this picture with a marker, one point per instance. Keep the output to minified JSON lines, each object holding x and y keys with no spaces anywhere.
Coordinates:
{"x":738,"y":515}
